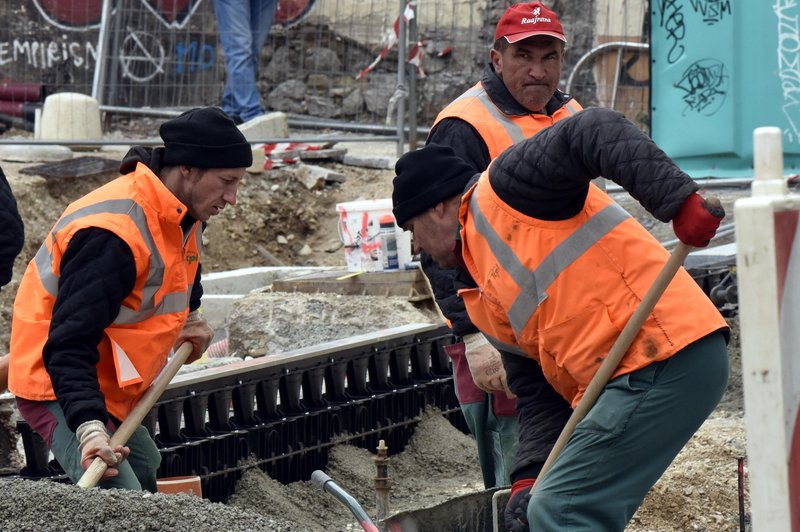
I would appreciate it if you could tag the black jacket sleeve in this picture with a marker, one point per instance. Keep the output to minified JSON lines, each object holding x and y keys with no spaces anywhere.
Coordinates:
{"x":97,"y":273}
{"x":197,"y":290}
{"x":547,"y":176}
{"x":465,"y":141}
{"x":12,"y":234}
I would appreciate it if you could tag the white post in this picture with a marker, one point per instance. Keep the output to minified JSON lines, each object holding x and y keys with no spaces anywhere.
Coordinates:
{"x":768,"y":269}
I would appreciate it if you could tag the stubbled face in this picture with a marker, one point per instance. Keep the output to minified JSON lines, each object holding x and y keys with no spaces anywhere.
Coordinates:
{"x":209,"y":190}
{"x":530,"y":69}
{"x":434,"y":231}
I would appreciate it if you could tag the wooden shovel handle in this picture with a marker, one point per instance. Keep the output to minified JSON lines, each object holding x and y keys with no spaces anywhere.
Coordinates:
{"x":96,"y":469}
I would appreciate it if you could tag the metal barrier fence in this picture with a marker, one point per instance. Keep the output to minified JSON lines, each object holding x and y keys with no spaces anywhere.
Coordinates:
{"x":146,"y":56}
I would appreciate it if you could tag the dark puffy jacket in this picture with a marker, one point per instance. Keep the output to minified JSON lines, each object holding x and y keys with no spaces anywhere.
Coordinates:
{"x":547,"y":176}
{"x":12,"y":236}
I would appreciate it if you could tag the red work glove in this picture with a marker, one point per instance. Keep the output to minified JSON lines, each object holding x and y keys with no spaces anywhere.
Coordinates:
{"x":515,"y":515}
{"x":697,"y":220}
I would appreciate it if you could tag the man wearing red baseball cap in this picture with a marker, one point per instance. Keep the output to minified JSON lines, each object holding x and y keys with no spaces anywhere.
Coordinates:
{"x":516,"y":98}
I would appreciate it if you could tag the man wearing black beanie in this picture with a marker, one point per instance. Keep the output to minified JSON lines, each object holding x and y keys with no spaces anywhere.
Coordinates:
{"x":114,"y":287}
{"x":558,"y":269}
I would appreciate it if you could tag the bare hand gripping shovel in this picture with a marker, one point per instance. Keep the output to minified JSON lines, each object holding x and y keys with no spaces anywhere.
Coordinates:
{"x":95,"y":471}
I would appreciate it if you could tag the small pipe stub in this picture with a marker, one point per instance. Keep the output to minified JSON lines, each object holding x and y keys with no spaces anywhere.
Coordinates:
{"x":383,"y":483}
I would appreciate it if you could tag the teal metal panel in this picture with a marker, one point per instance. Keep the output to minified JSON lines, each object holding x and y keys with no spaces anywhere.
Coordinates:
{"x":721,"y":68}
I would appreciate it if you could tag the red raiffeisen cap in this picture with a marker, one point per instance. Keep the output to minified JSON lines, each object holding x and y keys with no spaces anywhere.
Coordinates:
{"x":521,"y":21}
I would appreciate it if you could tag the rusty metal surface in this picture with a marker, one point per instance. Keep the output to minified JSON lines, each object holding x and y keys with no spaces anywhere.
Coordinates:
{"x":79,"y":167}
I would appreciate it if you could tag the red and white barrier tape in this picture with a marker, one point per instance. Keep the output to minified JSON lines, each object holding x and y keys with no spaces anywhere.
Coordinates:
{"x":391,"y":38}
{"x":285,"y":153}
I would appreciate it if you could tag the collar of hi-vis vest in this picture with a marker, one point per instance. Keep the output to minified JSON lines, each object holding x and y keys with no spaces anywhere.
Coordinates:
{"x":534,"y":283}
{"x":149,"y":189}
{"x":153,"y":190}
{"x":501,"y":97}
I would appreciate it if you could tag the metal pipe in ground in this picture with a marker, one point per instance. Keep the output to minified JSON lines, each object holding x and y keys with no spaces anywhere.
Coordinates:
{"x":321,"y":479}
{"x":383,"y":483}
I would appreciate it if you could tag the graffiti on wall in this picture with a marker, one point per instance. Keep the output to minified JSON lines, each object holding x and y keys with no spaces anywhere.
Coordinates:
{"x":86,"y":14}
{"x":712,"y":11}
{"x":788,"y":16}
{"x":43,"y":55}
{"x":142,"y":55}
{"x":705,"y":85}
{"x":672,"y":21}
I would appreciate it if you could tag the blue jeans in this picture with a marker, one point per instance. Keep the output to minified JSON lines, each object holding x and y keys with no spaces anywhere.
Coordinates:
{"x":243,"y":26}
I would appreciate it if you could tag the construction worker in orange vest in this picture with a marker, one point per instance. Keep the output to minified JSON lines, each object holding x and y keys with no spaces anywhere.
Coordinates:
{"x":11,"y":240}
{"x":517,"y":97}
{"x":558,"y":269}
{"x":114,"y":288}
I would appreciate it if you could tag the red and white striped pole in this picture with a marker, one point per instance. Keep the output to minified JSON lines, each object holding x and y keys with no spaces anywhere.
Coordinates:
{"x":768,"y":269}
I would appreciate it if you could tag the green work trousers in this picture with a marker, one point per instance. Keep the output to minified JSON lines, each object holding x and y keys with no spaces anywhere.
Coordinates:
{"x":137,"y":472}
{"x":628,"y":439}
{"x":496,"y":438}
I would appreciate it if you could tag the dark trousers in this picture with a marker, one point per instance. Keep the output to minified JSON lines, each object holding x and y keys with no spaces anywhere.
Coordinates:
{"x":628,"y":439}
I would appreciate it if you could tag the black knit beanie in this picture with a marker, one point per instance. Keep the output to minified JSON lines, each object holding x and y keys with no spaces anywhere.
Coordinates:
{"x":205,"y":137}
{"x":425,"y":177}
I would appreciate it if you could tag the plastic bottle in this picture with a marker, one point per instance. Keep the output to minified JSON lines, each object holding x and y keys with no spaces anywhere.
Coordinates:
{"x":388,"y":243}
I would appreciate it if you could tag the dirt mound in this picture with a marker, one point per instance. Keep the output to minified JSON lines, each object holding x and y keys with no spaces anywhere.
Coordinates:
{"x":437,"y":464}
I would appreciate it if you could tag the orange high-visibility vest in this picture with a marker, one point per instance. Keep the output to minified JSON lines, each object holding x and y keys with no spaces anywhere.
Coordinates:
{"x":140,"y":210}
{"x":561,"y":291}
{"x":499,"y":130}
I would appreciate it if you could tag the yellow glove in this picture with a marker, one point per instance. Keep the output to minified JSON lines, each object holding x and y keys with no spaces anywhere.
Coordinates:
{"x":485,"y":365}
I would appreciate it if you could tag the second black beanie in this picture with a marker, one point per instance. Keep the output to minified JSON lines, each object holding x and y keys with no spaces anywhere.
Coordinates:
{"x":205,"y":137}
{"x":426,"y":177}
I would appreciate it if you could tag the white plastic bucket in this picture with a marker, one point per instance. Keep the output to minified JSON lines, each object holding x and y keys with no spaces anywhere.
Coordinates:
{"x":359,"y":231}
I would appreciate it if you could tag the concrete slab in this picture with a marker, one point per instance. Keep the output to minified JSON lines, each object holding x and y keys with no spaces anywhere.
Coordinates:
{"x":32,"y":153}
{"x":270,"y":125}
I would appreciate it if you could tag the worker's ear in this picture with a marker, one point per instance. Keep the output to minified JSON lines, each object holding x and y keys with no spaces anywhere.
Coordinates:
{"x":440,"y":209}
{"x":496,"y":59}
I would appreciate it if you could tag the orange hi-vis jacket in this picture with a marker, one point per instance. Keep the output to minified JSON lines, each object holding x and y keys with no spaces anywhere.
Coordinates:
{"x":499,"y":130}
{"x":561,"y":291}
{"x":140,"y":210}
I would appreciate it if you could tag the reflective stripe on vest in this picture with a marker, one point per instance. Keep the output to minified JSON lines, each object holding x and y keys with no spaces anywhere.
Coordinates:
{"x":571,"y":108}
{"x":512,"y":130}
{"x":534,"y":284}
{"x":174,"y":302}
{"x":126,"y":371}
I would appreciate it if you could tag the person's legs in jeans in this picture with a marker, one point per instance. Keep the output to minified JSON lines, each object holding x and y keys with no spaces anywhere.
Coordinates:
{"x":262,"y":15}
{"x":235,"y":20}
